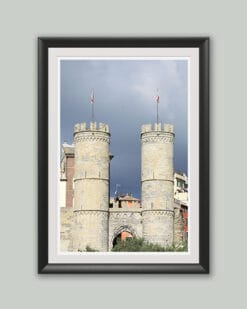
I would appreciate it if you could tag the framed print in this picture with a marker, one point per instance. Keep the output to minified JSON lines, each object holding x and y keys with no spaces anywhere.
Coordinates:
{"x":123,"y":155}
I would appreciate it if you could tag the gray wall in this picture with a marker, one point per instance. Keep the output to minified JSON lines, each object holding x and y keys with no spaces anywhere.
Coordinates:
{"x":20,"y":24}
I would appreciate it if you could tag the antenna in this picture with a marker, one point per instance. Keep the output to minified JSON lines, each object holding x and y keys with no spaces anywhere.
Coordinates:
{"x":117,"y":186}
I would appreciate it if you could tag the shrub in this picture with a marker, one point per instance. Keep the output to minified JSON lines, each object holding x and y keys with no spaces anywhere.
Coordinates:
{"x":89,"y":249}
{"x":140,"y":245}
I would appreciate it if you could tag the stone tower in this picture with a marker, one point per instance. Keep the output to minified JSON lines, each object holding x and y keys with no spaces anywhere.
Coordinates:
{"x":91,"y":187}
{"x":157,"y":183}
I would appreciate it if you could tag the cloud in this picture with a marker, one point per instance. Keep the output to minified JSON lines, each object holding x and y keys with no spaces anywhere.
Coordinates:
{"x":124,"y":98}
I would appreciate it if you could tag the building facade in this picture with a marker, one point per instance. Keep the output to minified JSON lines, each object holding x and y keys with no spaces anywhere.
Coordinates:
{"x":90,"y":219}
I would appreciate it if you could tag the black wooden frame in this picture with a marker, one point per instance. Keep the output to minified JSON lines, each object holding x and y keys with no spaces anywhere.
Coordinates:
{"x":44,"y":43}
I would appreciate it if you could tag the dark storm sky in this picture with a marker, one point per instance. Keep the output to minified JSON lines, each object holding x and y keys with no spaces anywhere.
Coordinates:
{"x":125,"y":99}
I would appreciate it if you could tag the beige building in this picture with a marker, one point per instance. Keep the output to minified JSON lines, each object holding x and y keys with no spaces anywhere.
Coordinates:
{"x":181,"y":199}
{"x":67,"y":176}
{"x":181,"y":187}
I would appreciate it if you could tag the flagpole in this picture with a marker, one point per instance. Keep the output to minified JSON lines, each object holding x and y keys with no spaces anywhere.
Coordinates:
{"x":157,"y":112}
{"x":92,"y":102}
{"x":92,"y":112}
{"x":157,"y":101}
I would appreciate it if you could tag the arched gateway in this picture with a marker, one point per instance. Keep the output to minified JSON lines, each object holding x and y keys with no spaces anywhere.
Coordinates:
{"x":122,"y":232}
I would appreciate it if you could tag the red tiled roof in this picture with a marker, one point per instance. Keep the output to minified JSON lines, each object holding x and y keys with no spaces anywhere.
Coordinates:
{"x":128,"y":198}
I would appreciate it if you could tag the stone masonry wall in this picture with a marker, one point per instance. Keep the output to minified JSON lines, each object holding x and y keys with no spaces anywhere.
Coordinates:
{"x":69,"y":177}
{"x":90,"y":228}
{"x":157,"y":183}
{"x":66,"y":221}
{"x":119,"y":221}
{"x":178,"y":225}
{"x":91,"y":186}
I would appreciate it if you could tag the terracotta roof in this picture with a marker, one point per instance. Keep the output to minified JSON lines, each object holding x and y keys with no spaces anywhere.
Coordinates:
{"x":128,"y":198}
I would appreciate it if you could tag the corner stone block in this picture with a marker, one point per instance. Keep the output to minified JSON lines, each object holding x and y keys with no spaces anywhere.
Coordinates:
{"x":93,"y":126}
{"x":146,"y":128}
{"x":169,"y":128}
{"x":77,"y":128}
{"x":83,"y":126}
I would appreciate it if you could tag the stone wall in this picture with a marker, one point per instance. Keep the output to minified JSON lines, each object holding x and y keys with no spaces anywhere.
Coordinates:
{"x":124,"y":220}
{"x":157,"y":183}
{"x":66,"y":222}
{"x":90,"y":229}
{"x":119,"y":221}
{"x":91,"y":186}
{"x":178,"y":225}
{"x":69,"y":177}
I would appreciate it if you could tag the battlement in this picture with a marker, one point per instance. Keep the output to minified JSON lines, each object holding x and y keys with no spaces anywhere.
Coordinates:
{"x":92,"y":126}
{"x":157,"y":127}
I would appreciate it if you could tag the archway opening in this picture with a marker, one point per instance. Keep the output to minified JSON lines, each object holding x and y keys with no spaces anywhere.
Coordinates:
{"x":121,"y":236}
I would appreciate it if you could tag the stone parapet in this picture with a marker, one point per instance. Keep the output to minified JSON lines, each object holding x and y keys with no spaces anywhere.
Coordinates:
{"x":157,"y":133}
{"x":92,"y":126}
{"x":121,"y":210}
{"x":90,"y":136}
{"x":91,"y":133}
{"x":129,"y":209}
{"x":157,"y":127}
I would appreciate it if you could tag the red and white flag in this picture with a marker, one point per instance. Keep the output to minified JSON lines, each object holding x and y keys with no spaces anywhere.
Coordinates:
{"x":157,"y":98}
{"x":92,"y":97}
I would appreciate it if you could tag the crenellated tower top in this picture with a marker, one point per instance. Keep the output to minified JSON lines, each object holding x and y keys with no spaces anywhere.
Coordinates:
{"x":157,"y":127}
{"x":91,"y":133}
{"x":157,"y":133}
{"x":93,"y":126}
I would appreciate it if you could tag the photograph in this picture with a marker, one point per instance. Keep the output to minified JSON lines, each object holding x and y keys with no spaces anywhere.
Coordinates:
{"x":124,"y":155}
{"x":123,"y":138}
